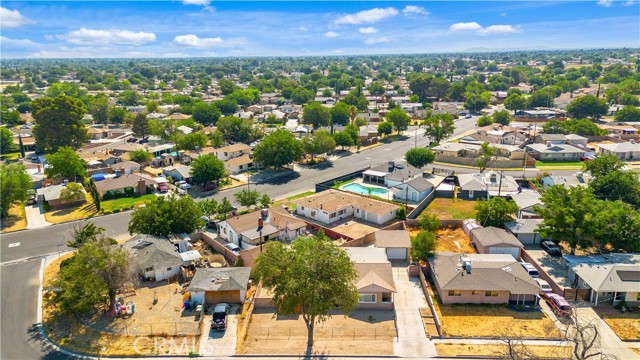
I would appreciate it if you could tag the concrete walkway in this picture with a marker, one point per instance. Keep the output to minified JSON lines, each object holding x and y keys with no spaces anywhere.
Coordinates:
{"x":35,"y":216}
{"x":412,"y":341}
{"x":220,"y":343}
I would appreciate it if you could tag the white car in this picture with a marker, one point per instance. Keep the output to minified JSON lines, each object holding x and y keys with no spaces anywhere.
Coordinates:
{"x":544,"y":286}
{"x":233,"y":247}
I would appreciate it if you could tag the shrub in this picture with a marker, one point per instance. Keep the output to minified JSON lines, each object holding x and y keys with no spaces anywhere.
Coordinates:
{"x":117,"y":194}
{"x":128,"y":191}
{"x":401,"y":213}
{"x":429,"y":222}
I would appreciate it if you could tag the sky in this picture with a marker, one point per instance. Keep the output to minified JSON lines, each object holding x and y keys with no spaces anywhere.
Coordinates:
{"x":204,"y":28}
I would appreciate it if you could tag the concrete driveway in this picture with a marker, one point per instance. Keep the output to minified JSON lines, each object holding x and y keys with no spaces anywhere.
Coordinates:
{"x":412,"y":340}
{"x":218,"y":343}
{"x":35,"y":216}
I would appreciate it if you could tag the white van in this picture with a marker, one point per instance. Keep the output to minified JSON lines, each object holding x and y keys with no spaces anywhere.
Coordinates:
{"x":533,"y":272}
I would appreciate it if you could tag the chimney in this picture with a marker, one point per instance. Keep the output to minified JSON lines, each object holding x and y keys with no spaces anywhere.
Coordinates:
{"x":264,"y":214}
{"x":142,"y":187}
{"x":260,"y":223}
{"x":548,"y":143}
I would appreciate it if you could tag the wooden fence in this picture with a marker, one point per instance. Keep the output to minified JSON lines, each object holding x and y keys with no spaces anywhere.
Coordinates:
{"x":427,"y":295}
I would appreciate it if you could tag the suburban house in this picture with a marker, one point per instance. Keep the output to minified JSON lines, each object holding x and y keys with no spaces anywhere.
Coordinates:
{"x":51,"y":194}
{"x":391,"y":174}
{"x":417,"y":188}
{"x":261,"y":226}
{"x":126,"y":167}
{"x":578,"y":179}
{"x":216,"y":285}
{"x":494,"y":183}
{"x":624,"y":151}
{"x":330,"y":206}
{"x":367,"y":132}
{"x":550,"y":138}
{"x":375,"y":283}
{"x":453,"y":149}
{"x":231,"y":151}
{"x":96,"y":133}
{"x":526,"y":201}
{"x":137,"y":182}
{"x":493,"y":240}
{"x":471,"y":149}
{"x":526,"y":230}
{"x":178,"y":172}
{"x":481,"y":279}
{"x":575,"y":139}
{"x":239,"y":164}
{"x":157,"y":258}
{"x":189,"y":155}
{"x":396,"y":243}
{"x":610,"y":278}
{"x":555,"y":152}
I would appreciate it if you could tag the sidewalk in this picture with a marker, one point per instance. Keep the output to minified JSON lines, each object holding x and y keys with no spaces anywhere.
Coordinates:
{"x":35,"y":216}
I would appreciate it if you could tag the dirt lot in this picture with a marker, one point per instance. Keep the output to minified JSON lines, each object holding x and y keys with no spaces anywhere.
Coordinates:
{"x":625,"y":325}
{"x":452,"y":209}
{"x":16,"y":220}
{"x":362,"y":333}
{"x":454,"y":240}
{"x":489,"y":321}
{"x":497,"y":350}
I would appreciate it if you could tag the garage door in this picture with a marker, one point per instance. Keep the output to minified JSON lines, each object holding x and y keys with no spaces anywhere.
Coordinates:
{"x":506,"y":250}
{"x":214,"y":297}
{"x":396,"y":253}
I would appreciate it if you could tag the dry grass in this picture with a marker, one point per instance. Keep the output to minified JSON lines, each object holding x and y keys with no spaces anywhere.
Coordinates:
{"x":452,"y":209}
{"x":625,"y":325}
{"x":244,"y":319}
{"x":72,"y":335}
{"x":75,"y":213}
{"x":490,"y":321}
{"x":545,"y":351}
{"x":234,"y":183}
{"x":453,"y":240}
{"x":16,"y":220}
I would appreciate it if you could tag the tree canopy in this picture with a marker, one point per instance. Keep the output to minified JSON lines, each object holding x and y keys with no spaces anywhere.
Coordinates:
{"x":65,"y":164}
{"x":14,"y":183}
{"x":206,"y":169}
{"x":495,"y":211}
{"x":627,"y":114}
{"x":316,"y":115}
{"x":278,"y":149}
{"x":166,"y":215}
{"x":319,"y":142}
{"x":439,"y":127}
{"x":587,"y":106}
{"x":58,"y":123}
{"x":419,"y":157}
{"x":423,"y":245}
{"x":6,"y":141}
{"x":399,"y":119}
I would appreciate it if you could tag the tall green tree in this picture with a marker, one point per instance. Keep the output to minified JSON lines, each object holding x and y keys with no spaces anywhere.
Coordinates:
{"x":191,"y":141}
{"x":502,"y":117}
{"x":166,"y":215}
{"x":340,"y":114}
{"x":58,"y":123}
{"x":65,"y":164}
{"x":439,"y":127}
{"x":399,"y":119}
{"x":247,"y":197}
{"x":313,"y":276}
{"x":206,"y":114}
{"x":14,"y":183}
{"x":82,"y":234}
{"x":587,"y":106}
{"x":495,"y":211}
{"x":343,"y":139}
{"x":484,"y":121}
{"x":316,"y":115}
{"x":419,"y":157}
{"x":206,"y":169}
{"x":140,"y":156}
{"x":627,"y":114}
{"x":515,"y":102}
{"x":319,"y":142}
{"x":385,"y":128}
{"x":72,"y":193}
{"x":6,"y":141}
{"x":486,"y":156}
{"x":278,"y":149}
{"x":423,"y":246}
{"x":141,"y":127}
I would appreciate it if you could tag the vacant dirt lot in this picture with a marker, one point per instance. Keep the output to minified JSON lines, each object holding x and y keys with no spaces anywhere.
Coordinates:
{"x":454,"y":240}
{"x":543,"y":351}
{"x":362,"y":333}
{"x":491,"y":321}
{"x":452,"y":209}
{"x":625,"y":325}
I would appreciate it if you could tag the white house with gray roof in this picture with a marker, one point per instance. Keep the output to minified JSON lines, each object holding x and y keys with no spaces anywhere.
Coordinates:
{"x":624,"y":151}
{"x":215,"y":285}
{"x":157,"y":259}
{"x":555,"y":152}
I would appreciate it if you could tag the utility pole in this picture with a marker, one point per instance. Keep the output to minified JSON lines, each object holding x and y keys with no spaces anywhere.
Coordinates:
{"x":500,"y":184}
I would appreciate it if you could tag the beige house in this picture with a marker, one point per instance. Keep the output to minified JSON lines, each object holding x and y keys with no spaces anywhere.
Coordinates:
{"x":481,"y":279}
{"x":375,"y":278}
{"x":239,"y":164}
{"x":492,"y":240}
{"x":396,"y":243}
{"x":231,"y":151}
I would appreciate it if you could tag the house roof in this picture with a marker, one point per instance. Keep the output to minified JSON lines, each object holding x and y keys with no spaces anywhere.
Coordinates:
{"x":610,"y":277}
{"x":569,"y":180}
{"x":124,"y":181}
{"x":451,"y":146}
{"x":332,"y":200}
{"x":183,"y":170}
{"x":392,"y":239}
{"x":555,"y":148}
{"x":220,"y":279}
{"x":125,"y":165}
{"x":527,"y":199}
{"x":398,"y":170}
{"x":374,"y":270}
{"x":621,"y":147}
{"x":551,"y":137}
{"x":279,"y":218}
{"x":240,"y":160}
{"x":489,"y":272}
{"x":52,"y":192}
{"x":524,"y":226}
{"x":421,"y":184}
{"x":153,"y":252}
{"x":233,"y":148}
{"x":493,"y":236}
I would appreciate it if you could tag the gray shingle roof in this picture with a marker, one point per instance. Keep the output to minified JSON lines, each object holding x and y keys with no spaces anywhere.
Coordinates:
{"x":220,"y":279}
{"x":153,"y":252}
{"x":491,"y":236}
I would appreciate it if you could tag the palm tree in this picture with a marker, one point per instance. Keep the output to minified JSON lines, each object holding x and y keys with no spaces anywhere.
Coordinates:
{"x":353,"y":112}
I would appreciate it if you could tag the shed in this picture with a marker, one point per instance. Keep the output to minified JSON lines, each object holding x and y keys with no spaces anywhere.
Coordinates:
{"x":492,"y":240}
{"x":395,"y":242}
{"x":468,"y":226}
{"x":526,"y":230}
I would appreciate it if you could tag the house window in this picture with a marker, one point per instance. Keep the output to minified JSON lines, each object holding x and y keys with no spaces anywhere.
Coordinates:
{"x":332,"y":215}
{"x":367,"y":298}
{"x":302,"y":208}
{"x":491,"y":293}
{"x":470,"y":194}
{"x":169,"y":268}
{"x":341,"y":212}
{"x":455,"y":293}
{"x":357,"y":211}
{"x":225,"y":153}
{"x":475,"y":292}
{"x":619,"y":296}
{"x":149,"y":269}
{"x":386,"y":297}
{"x":224,"y":230}
{"x":313,"y":213}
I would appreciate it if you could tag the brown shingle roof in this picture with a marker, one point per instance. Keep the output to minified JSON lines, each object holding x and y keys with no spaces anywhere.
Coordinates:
{"x":130,"y":180}
{"x":240,"y":160}
{"x":392,"y":239}
{"x":332,"y":200}
{"x":278,"y":217}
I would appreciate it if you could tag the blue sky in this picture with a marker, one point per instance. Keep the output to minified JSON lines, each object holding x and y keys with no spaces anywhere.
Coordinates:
{"x":197,"y":28}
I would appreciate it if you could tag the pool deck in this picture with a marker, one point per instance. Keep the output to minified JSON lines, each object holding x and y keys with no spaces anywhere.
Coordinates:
{"x":387,"y":196}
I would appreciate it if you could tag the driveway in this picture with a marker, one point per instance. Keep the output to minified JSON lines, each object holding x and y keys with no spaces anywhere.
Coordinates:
{"x":220,"y":343}
{"x":412,"y":339}
{"x":35,"y":216}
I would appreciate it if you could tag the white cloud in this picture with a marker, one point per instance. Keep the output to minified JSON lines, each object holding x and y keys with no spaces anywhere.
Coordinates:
{"x":378,"y":40}
{"x":414,"y":10}
{"x":367,"y":16}
{"x":331,"y":34}
{"x":176,"y":55}
{"x":631,"y":2}
{"x":196,"y":42}
{"x":12,"y":18}
{"x":462,"y":26}
{"x":107,"y":37}
{"x":368,"y":30}
{"x":503,"y":14}
{"x":204,"y":3}
{"x":605,"y":3}
{"x":499,"y":29}
{"x":6,"y":42}
{"x":303,"y":28}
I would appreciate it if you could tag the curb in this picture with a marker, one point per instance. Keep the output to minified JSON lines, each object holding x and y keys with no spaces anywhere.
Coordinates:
{"x":498,"y":169}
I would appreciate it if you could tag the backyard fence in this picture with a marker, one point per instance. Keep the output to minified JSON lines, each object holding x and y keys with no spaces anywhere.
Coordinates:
{"x":427,"y":295}
{"x":322,"y":333}
{"x":169,"y":328}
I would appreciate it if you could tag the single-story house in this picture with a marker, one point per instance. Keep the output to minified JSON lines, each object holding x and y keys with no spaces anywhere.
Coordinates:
{"x":28,"y":142}
{"x":555,"y":152}
{"x":493,"y":240}
{"x":260,"y":226}
{"x":239,"y":164}
{"x":395,"y":242}
{"x":481,"y":279}
{"x":456,"y":150}
{"x":417,"y":188}
{"x":478,"y":185}
{"x":391,"y":174}
{"x":330,"y":206}
{"x":527,"y":200}
{"x":624,"y":151}
{"x":526,"y":230}
{"x":216,"y":285}
{"x":610,"y":278}
{"x":126,"y":167}
{"x":157,"y":258}
{"x":575,"y":139}
{"x":550,"y":138}
{"x":178,"y":172}
{"x":51,"y":194}
{"x":375,"y":283}
{"x":366,"y":132}
{"x":578,"y":179}
{"x":138,"y":182}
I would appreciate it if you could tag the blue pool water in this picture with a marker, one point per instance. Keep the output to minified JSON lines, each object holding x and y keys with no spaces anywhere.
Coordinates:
{"x":364,"y":190}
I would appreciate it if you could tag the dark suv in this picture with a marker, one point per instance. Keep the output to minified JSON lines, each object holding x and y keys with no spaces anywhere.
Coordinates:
{"x":220,"y":312}
{"x":551,"y":248}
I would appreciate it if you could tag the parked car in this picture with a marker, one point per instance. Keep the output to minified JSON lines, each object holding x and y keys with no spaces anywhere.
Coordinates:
{"x":468,"y":116}
{"x":35,"y":159}
{"x":183,"y":185}
{"x":544,"y":286}
{"x":551,"y":248}
{"x":220,"y":312}
{"x":558,"y":304}
{"x":210,"y":186}
{"x":25,"y":127}
{"x":233,"y":247}
{"x":587,"y":158}
{"x":32,"y":200}
{"x":163,"y":188}
{"x":533,"y":272}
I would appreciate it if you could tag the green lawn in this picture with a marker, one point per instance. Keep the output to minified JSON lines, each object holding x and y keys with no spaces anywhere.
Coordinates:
{"x":301,"y":195}
{"x":110,"y":206}
{"x":337,"y":184}
{"x":450,"y":209}
{"x":10,"y":157}
{"x":557,"y":163}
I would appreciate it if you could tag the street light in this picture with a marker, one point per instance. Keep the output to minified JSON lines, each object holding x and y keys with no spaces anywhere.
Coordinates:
{"x":61,"y":244}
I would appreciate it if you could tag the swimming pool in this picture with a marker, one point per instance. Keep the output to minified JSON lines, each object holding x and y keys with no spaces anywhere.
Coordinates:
{"x":364,"y":190}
